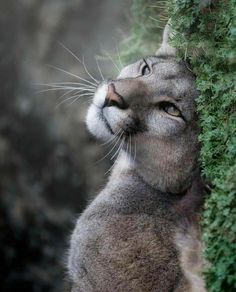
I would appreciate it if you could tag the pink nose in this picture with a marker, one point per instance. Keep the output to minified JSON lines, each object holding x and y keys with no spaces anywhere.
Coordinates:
{"x":113,"y":98}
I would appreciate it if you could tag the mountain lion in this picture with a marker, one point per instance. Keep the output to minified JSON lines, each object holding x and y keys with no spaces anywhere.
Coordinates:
{"x":141,"y":232}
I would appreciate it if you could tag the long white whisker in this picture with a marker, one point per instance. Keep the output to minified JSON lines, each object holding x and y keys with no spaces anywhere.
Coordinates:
{"x":109,"y":56}
{"x":66,"y":93}
{"x":110,"y":169}
{"x":72,"y":97}
{"x":112,"y":147}
{"x":118,"y":53}
{"x":75,"y":88}
{"x":78,"y":59}
{"x":130,"y":154}
{"x":79,"y":96}
{"x":83,"y":91}
{"x":65,"y":88}
{"x":50,"y":89}
{"x":119,"y":152}
{"x":112,"y":138}
{"x":73,"y":75}
{"x":118,"y":158}
{"x":66,"y":83}
{"x":69,"y":51}
{"x":99,"y":69}
{"x":121,"y":145}
{"x":87,"y":71}
{"x":127,"y":149}
{"x":61,"y":83}
{"x":57,"y":87}
{"x":76,"y":96}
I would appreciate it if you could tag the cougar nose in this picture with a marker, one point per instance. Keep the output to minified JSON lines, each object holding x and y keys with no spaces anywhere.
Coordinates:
{"x":114,"y":99}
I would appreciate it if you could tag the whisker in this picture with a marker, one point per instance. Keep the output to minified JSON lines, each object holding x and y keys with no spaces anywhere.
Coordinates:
{"x":134,"y":150}
{"x":119,"y":152}
{"x":111,"y":148}
{"x":60,"y":85}
{"x":80,"y":93}
{"x":127,"y":150}
{"x":78,"y":59}
{"x":113,"y":62}
{"x":76,"y":96}
{"x":110,"y":169}
{"x":65,"y":88}
{"x":118,"y":158}
{"x":99,"y":69}
{"x":65,"y":83}
{"x":86,"y":69}
{"x":69,"y":51}
{"x":73,"y":75}
{"x":79,"y":96}
{"x":121,"y":145}
{"x":112,"y":138}
{"x":130,"y":154}
{"x":66,"y":93}
{"x":71,"y":97}
{"x":119,"y":58}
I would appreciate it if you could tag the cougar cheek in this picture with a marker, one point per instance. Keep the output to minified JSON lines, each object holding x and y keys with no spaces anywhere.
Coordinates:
{"x":116,"y":117}
{"x":96,"y":124}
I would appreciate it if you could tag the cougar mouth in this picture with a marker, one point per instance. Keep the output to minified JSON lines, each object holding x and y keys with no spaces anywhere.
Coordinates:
{"x":106,"y":123}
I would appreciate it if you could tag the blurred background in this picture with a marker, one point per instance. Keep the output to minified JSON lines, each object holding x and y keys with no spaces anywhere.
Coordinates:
{"x":48,"y":169}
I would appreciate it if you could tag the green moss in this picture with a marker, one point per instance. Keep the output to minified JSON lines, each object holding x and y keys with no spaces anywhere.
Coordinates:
{"x":205,"y":34}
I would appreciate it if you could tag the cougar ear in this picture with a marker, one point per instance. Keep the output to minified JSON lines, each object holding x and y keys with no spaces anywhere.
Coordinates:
{"x":166,"y":49}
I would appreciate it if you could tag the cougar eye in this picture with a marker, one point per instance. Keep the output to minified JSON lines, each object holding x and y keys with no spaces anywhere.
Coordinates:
{"x":146,"y":69}
{"x":170,"y":109}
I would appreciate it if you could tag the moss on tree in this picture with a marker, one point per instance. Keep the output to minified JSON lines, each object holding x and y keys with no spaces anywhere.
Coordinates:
{"x":205,"y":35}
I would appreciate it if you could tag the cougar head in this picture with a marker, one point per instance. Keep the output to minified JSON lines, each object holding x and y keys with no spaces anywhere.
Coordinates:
{"x":153,"y":102}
